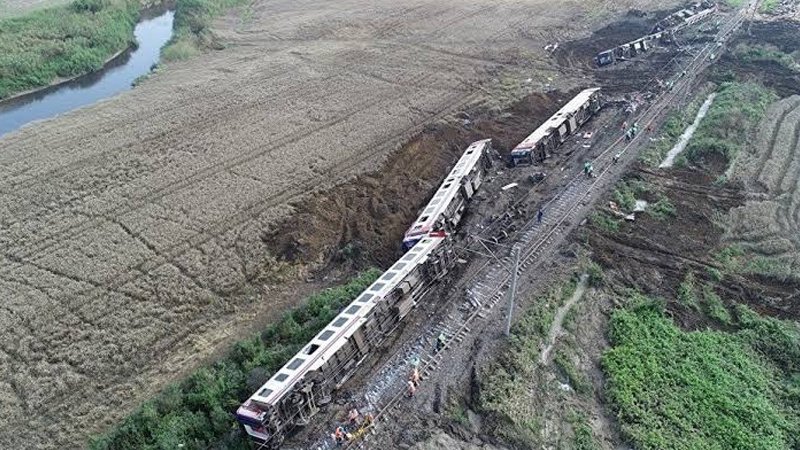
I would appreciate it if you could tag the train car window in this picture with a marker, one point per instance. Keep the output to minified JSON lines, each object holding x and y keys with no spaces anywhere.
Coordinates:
{"x":388,"y":276}
{"x":339,"y":322}
{"x":281,"y":377}
{"x":446,"y":186}
{"x":423,"y":219}
{"x":325,"y":335}
{"x":311,"y":349}
{"x":399,"y":266}
{"x":297,"y":362}
{"x":353,"y":309}
{"x":365,"y":298}
{"x":265,"y":392}
{"x":377,"y":286}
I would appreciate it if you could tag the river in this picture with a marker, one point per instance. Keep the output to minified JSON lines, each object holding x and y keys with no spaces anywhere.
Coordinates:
{"x":151,"y":34}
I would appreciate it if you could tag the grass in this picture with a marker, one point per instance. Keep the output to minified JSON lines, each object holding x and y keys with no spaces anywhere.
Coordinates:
{"x":671,"y":131}
{"x":506,"y":384}
{"x":197,"y":412}
{"x":687,"y":291}
{"x":730,"y":121}
{"x":768,"y":6}
{"x":605,"y":221}
{"x":62,"y":42}
{"x":584,"y":438}
{"x":713,"y":306}
{"x":193,"y":27}
{"x":733,"y":259}
{"x":764,"y":52}
{"x":626,"y":192}
{"x":577,"y":379}
{"x":662,"y":209}
{"x":703,"y":389}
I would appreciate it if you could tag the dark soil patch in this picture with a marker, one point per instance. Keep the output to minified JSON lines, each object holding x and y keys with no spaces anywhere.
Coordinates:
{"x":654,"y":256}
{"x":361,"y":223}
{"x":785,"y":36}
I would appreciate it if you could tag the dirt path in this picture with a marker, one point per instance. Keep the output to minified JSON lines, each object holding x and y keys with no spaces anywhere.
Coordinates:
{"x":556,"y":328}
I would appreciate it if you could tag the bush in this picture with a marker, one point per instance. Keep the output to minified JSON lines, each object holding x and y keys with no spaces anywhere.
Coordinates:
{"x":691,"y":390}
{"x":63,"y":41}
{"x":731,"y":119}
{"x":197,"y":412}
{"x":604,"y":221}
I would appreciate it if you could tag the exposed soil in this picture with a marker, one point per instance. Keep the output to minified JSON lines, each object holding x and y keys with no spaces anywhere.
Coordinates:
{"x":358,"y":223}
{"x":782,"y":79}
{"x":131,"y":230}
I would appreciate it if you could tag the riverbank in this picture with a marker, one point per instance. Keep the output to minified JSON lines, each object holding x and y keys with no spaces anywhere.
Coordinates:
{"x":62,"y":42}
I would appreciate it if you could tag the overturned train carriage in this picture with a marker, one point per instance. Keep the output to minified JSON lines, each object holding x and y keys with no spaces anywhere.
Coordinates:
{"x":293,"y":394}
{"x":447,"y":207}
{"x":544,"y":140}
{"x":663,"y":31}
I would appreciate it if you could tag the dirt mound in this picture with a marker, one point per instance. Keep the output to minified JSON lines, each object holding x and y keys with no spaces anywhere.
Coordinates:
{"x":362,"y":221}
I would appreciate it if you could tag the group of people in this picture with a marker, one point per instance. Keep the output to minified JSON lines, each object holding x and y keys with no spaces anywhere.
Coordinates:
{"x":356,"y":423}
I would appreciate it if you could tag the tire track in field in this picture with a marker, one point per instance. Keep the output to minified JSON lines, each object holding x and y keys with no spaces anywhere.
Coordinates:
{"x":200,"y":175}
{"x":254,"y":209}
{"x":791,"y":158}
{"x":767,"y":155}
{"x":203,"y":122}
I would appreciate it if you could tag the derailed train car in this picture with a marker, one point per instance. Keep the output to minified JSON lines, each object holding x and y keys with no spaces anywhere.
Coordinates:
{"x":447,"y":207}
{"x":296,"y":391}
{"x":544,"y":140}
{"x":662,"y":31}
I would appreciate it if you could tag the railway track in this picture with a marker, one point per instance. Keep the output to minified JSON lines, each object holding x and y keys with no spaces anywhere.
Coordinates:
{"x":489,"y":284}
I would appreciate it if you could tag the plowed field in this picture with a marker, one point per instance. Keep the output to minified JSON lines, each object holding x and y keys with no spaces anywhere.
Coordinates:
{"x":131,"y":231}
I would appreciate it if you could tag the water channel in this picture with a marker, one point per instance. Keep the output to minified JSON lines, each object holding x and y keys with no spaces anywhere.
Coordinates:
{"x":152,"y":32}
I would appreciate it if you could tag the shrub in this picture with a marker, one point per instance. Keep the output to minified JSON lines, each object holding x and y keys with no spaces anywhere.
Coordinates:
{"x":687,"y":390}
{"x":63,"y":41}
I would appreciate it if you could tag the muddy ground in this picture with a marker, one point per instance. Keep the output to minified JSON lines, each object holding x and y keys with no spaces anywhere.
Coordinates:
{"x":133,"y":230}
{"x":753,"y":205}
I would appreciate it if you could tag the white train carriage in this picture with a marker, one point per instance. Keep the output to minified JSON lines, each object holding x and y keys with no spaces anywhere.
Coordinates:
{"x":293,"y":393}
{"x":544,"y":140}
{"x":446,"y":208}
{"x":664,"y":28}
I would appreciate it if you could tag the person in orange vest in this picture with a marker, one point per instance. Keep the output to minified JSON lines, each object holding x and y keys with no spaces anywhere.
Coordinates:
{"x":338,"y":435}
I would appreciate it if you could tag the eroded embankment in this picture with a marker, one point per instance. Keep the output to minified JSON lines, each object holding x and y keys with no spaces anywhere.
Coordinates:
{"x":361,"y":222}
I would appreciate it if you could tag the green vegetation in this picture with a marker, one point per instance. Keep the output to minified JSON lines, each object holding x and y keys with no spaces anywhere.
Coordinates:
{"x":671,"y":131}
{"x":768,"y":6}
{"x":765,"y":52}
{"x":196,"y":413}
{"x":662,"y":209}
{"x":192,"y":27}
{"x":626,"y":193}
{"x":734,"y":259}
{"x":713,"y":307}
{"x":734,"y":3}
{"x":605,"y":221}
{"x":62,"y":42}
{"x":736,"y":110}
{"x":687,"y":291}
{"x":506,"y":384}
{"x":584,"y":439}
{"x":579,"y":382}
{"x":703,"y":389}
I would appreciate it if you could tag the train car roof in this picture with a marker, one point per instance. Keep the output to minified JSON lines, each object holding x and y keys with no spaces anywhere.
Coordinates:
{"x":328,"y":341}
{"x":449,"y":187}
{"x":557,"y":119}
